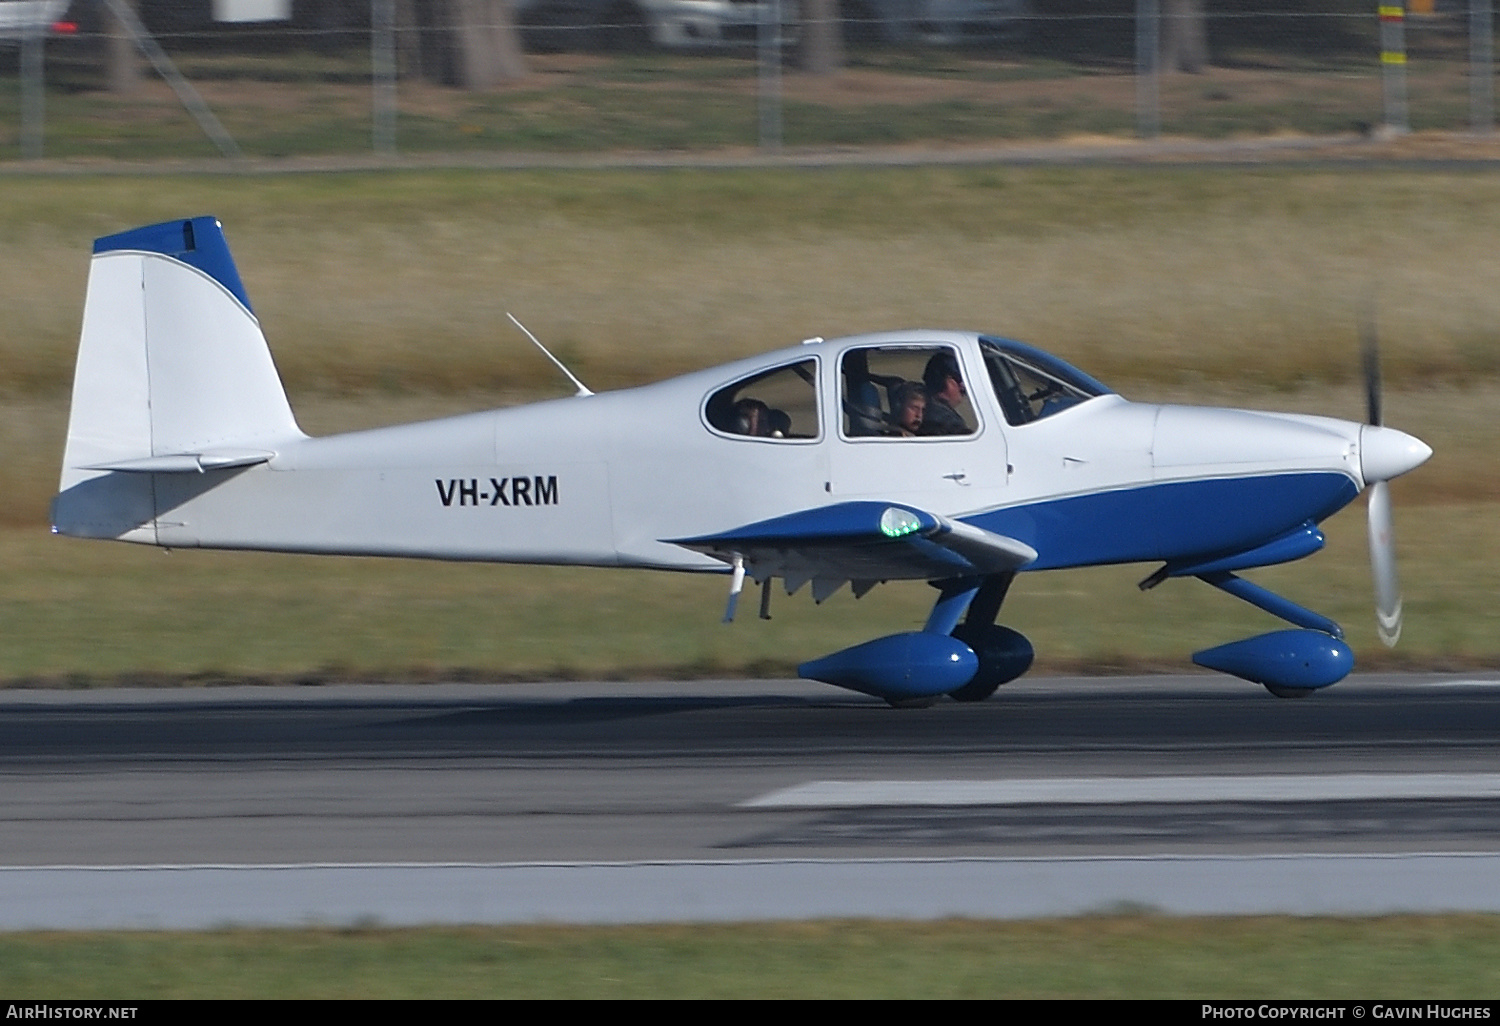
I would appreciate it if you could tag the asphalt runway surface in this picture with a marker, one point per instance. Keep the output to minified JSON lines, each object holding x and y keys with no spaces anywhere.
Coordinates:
{"x":744,"y":799}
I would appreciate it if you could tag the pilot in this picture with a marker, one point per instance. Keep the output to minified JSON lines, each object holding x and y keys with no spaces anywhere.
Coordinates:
{"x":908,"y":407}
{"x":945,"y":390}
{"x":752,"y":417}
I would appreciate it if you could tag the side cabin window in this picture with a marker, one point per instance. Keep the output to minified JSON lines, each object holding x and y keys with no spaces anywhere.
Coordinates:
{"x":1030,"y":384}
{"x":915,"y":391}
{"x":777,"y":404}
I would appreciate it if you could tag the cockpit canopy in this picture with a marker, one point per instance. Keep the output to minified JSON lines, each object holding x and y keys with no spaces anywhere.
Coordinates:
{"x":1031,"y":384}
{"x":888,"y":387}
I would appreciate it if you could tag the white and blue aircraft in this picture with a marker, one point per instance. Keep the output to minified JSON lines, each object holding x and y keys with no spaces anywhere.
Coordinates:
{"x":949,"y":457}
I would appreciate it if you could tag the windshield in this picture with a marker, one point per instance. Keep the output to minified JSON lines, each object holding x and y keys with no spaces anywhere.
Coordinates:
{"x":1031,"y":384}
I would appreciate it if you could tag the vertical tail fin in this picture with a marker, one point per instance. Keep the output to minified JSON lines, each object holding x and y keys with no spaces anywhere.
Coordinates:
{"x":173,"y":373}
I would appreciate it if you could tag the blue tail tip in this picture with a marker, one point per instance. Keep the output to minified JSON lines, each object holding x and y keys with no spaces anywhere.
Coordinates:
{"x":196,"y":241}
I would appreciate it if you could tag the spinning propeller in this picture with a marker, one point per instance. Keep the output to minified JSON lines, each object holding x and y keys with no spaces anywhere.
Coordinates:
{"x":1384,"y":453}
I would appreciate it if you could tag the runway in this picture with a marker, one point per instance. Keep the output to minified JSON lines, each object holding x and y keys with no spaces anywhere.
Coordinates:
{"x":760,"y":799}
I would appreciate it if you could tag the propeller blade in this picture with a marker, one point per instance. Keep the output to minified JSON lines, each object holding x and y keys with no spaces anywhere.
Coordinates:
{"x":1383,"y":565}
{"x":1369,"y":346}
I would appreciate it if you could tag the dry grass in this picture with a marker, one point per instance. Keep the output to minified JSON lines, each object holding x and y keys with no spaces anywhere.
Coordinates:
{"x":1263,"y":277}
{"x":399,"y":283}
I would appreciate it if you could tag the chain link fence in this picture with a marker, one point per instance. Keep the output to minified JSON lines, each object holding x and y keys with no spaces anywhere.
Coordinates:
{"x":151,"y":79}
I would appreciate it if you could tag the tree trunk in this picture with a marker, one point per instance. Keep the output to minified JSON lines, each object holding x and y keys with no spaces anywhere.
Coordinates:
{"x":489,"y":47}
{"x":822,"y":49}
{"x":122,"y":61}
{"x":472,"y":44}
{"x":1184,"y":36}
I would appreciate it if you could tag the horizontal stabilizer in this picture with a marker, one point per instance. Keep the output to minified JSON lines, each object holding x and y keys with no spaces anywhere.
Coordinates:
{"x":865,"y":542}
{"x":187,"y":462}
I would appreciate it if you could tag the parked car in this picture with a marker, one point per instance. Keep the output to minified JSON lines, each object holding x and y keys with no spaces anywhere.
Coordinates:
{"x":944,"y":22}
{"x":636,"y":24}
{"x":16,"y":16}
{"x":639,"y":24}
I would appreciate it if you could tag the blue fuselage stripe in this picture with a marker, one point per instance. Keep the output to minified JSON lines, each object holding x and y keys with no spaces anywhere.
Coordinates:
{"x":1173,"y":520}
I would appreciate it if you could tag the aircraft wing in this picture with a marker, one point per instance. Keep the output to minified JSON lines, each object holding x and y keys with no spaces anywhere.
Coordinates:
{"x":863,"y":543}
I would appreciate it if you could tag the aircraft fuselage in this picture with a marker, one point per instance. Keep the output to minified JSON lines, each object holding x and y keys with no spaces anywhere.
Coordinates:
{"x":604,"y":479}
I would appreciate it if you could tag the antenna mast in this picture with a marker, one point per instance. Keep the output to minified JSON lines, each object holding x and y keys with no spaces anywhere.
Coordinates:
{"x":582,"y":388}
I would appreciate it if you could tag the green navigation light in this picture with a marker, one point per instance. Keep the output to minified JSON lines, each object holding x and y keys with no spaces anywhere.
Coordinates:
{"x":895,"y":523}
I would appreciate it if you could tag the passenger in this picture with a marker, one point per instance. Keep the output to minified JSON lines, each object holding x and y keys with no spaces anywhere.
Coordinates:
{"x":752,"y":417}
{"x":908,"y":407}
{"x":945,"y":390}
{"x":781,"y":423}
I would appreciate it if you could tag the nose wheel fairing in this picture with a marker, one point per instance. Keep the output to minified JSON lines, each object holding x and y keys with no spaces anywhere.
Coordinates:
{"x":1289,"y":663}
{"x":1297,"y":661}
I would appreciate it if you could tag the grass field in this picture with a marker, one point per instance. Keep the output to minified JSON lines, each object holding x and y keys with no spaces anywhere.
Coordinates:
{"x":398,"y":282}
{"x":384,"y":294}
{"x":1406,"y":957}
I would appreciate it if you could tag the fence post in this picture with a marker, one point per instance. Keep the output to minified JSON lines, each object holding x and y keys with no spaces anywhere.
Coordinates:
{"x":186,"y":94}
{"x":769,"y":48}
{"x":383,"y":76}
{"x":33,"y":90}
{"x":1147,"y":61}
{"x":1481,"y":67}
{"x":1393,"y":67}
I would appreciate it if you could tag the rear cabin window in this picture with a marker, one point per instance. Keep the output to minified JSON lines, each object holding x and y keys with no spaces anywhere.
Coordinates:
{"x":776,"y":405}
{"x":913,"y":391}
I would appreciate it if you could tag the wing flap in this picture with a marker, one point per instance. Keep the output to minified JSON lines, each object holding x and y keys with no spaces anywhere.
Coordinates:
{"x":863,"y":542}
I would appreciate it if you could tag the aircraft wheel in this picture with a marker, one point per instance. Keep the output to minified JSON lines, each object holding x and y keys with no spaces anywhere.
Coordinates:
{"x":975,"y":691}
{"x":1282,"y":692}
{"x":911,"y":703}
{"x":1003,"y":654}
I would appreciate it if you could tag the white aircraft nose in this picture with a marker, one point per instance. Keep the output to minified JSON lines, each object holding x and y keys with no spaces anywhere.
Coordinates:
{"x":1385,"y":453}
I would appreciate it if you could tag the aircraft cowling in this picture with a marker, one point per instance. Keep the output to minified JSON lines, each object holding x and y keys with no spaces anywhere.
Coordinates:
{"x":898,"y":667}
{"x":1294,"y":660}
